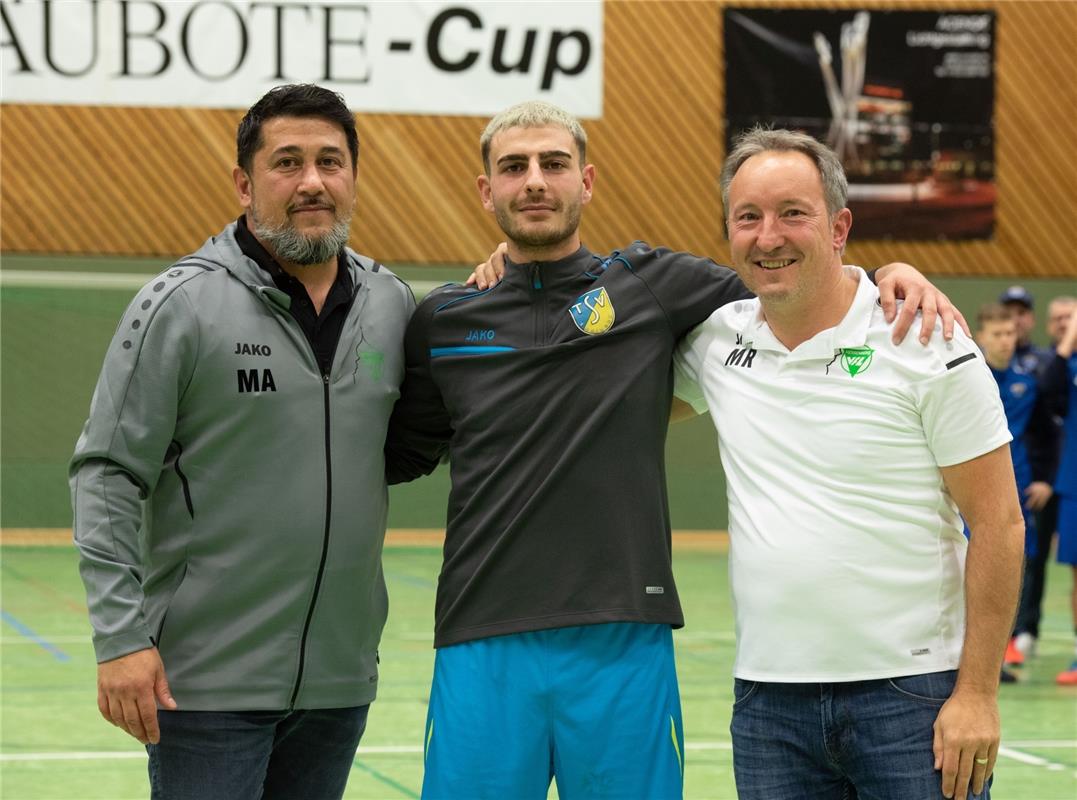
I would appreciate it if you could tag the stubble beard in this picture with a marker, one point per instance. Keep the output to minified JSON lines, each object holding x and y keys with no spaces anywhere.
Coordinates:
{"x":542,"y":237}
{"x":303,"y":250}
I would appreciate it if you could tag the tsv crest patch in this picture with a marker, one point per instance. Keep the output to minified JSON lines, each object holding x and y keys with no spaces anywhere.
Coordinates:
{"x":593,"y":312}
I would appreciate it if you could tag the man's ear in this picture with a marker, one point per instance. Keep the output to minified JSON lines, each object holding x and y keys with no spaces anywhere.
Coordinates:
{"x":485,"y":192}
{"x":242,"y":182}
{"x":588,"y":182}
{"x":843,"y":224}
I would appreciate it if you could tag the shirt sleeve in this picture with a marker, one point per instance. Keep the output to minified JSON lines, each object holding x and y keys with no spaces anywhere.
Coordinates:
{"x":419,"y":428}
{"x":118,"y":460}
{"x":687,"y":369}
{"x":960,"y":408}
{"x":687,"y":287}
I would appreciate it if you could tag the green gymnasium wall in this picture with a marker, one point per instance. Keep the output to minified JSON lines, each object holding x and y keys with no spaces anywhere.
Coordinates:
{"x":52,"y":340}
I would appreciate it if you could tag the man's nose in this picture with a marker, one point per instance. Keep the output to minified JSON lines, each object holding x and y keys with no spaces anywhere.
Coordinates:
{"x":536,"y":178}
{"x":770,"y":235}
{"x":310,"y":180}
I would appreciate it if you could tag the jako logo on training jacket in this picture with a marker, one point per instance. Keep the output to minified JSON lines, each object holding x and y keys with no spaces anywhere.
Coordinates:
{"x":593,"y":312}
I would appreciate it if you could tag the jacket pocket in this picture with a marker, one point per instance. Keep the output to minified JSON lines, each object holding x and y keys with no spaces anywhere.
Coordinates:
{"x":183,"y":478}
{"x":164,"y":615}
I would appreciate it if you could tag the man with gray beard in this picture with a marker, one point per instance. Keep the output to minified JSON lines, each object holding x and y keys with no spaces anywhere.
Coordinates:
{"x":229,"y":485}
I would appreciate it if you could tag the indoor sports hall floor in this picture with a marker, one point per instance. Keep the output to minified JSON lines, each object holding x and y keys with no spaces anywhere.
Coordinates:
{"x":55,"y":746}
{"x":56,"y":318}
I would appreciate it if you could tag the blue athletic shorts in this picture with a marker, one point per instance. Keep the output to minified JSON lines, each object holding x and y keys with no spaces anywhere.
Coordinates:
{"x":1067,"y":530}
{"x":595,"y":707}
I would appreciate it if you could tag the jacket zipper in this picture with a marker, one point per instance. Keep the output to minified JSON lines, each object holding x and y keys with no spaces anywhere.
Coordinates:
{"x":328,"y":510}
{"x":536,"y":314}
{"x":325,"y":544}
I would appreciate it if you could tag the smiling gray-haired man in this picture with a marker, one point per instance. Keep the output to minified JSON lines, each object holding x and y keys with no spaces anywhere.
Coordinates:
{"x":869,"y":633}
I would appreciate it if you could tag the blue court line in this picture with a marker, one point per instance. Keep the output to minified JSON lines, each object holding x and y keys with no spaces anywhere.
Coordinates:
{"x":384,"y":779}
{"x":57,"y":653}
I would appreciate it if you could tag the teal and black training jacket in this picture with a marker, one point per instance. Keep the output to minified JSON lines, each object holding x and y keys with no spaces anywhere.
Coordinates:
{"x":550,"y":392}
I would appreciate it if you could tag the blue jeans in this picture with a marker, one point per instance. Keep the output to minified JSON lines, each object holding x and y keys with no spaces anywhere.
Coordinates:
{"x":861,"y":740}
{"x":254,"y":755}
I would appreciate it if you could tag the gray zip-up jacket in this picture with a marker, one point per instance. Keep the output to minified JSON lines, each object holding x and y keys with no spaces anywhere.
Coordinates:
{"x":230,"y":500}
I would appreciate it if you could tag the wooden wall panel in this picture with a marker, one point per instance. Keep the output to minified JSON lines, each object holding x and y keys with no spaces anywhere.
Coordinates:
{"x":138,"y":181}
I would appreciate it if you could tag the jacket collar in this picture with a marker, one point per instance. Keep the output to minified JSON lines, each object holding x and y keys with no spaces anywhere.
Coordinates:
{"x":550,"y":274}
{"x":224,"y":251}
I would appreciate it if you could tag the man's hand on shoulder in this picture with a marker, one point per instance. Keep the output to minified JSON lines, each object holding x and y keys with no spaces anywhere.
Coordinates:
{"x":903,"y":281}
{"x":128,"y":689}
{"x":490,"y":271}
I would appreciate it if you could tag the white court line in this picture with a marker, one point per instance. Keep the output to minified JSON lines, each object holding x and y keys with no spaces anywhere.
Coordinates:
{"x":59,"y":279}
{"x":683,"y":635}
{"x":112,"y":755}
{"x":1028,"y":758}
{"x":46,"y":279}
{"x":1049,"y":744}
{"x":106,"y":755}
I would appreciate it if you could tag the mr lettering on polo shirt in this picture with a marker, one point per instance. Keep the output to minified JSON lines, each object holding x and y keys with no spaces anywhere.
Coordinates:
{"x":741,"y":355}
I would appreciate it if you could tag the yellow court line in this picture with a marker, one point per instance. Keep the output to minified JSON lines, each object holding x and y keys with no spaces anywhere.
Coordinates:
{"x":683,"y":540}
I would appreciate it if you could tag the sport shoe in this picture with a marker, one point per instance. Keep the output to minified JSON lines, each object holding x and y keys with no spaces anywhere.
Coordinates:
{"x":1025,"y":643}
{"x":1007,"y":677}
{"x":1068,"y":677}
{"x":1013,"y":657}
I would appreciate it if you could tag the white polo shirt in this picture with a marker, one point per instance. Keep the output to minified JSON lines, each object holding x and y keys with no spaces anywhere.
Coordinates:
{"x":847,"y":554}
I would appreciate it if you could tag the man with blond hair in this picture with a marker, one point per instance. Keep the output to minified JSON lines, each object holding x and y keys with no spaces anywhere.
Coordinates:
{"x":551,"y":391}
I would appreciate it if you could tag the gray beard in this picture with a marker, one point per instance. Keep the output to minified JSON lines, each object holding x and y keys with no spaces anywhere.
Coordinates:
{"x":290,"y":245}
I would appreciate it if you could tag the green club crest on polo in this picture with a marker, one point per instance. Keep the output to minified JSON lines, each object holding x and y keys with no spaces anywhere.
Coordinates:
{"x":855,"y":360}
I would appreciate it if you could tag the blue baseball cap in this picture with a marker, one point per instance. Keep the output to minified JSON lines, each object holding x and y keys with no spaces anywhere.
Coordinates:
{"x":1017,"y":294}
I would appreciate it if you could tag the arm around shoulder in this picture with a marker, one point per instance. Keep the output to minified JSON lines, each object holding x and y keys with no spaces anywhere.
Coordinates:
{"x":420,"y":427}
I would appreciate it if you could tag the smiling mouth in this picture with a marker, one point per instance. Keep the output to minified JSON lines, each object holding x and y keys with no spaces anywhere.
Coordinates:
{"x":774,"y":263}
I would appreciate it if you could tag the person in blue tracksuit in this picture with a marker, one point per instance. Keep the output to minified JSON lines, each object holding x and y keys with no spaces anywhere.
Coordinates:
{"x":1027,"y":414}
{"x":1046,"y":459}
{"x":1064,"y":375}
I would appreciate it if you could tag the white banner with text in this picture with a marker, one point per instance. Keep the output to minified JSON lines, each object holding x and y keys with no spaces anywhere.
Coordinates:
{"x":383,"y":56}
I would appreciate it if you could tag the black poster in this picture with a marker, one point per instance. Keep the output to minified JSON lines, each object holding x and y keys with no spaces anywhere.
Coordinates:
{"x":906,"y":98}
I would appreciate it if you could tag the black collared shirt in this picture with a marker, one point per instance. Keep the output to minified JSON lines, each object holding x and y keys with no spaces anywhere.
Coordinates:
{"x":322,"y":329}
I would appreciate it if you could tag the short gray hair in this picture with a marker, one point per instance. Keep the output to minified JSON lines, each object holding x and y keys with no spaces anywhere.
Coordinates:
{"x":533,"y":114}
{"x":760,"y":140}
